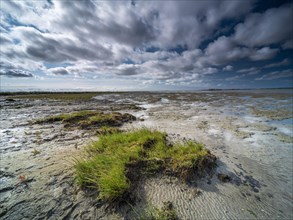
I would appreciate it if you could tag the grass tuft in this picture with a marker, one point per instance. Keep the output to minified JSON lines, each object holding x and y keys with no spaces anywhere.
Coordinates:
{"x":116,"y":161}
{"x":89,"y":119}
{"x":107,"y":130}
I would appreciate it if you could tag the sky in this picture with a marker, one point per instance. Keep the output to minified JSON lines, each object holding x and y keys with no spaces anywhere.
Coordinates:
{"x":145,"y":45}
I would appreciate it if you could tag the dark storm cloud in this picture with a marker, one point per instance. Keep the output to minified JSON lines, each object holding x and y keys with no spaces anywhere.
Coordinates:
{"x":9,"y":70}
{"x":58,"y":48}
{"x":59,"y":71}
{"x":128,"y":70}
{"x":16,"y":73}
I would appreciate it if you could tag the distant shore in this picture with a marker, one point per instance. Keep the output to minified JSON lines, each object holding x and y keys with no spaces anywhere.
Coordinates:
{"x":137,"y":91}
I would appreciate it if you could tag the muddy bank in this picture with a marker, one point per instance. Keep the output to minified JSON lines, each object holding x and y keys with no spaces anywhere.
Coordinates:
{"x":253,"y":149}
{"x":37,"y":176}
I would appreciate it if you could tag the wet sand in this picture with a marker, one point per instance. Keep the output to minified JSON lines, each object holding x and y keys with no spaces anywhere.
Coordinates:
{"x":249,"y":132}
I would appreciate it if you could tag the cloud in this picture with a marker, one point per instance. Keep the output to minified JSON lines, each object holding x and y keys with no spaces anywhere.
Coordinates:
{"x":57,"y":47}
{"x":170,"y":42}
{"x":228,"y":68}
{"x":250,"y":71}
{"x":16,"y":73}
{"x":4,"y":39}
{"x":288,"y":44}
{"x":256,"y":70}
{"x":266,"y":28}
{"x":277,"y":75}
{"x":9,"y":70}
{"x":128,"y":69}
{"x":58,"y":71}
{"x":244,"y":73}
{"x":114,"y":22}
{"x":247,"y":70}
{"x":225,"y":50}
{"x":233,"y":78}
{"x":284,"y":62}
{"x":93,"y":25}
{"x":264,"y":53}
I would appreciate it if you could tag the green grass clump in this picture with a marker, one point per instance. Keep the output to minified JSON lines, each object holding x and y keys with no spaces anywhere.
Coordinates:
{"x":117,"y":160}
{"x":69,"y":117}
{"x":89,"y":119}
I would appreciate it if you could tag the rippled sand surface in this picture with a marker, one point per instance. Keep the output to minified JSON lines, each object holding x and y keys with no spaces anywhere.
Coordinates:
{"x":249,"y":131}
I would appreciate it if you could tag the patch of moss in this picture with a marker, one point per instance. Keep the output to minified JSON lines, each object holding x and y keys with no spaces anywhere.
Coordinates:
{"x":35,"y":152}
{"x":128,"y":107}
{"x":275,"y":114}
{"x":89,"y":119}
{"x":116,"y":161}
{"x":167,"y":212}
{"x":243,"y":134}
{"x":263,"y":127}
{"x":135,"y":107}
{"x":284,"y":138}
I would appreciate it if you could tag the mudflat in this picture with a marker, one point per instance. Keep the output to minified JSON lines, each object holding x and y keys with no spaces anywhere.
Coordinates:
{"x":250,"y":133}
